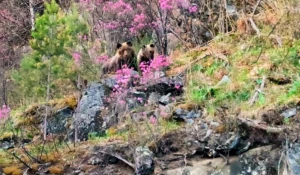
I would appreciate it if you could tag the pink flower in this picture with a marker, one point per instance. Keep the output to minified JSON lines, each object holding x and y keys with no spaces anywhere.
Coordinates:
{"x":166,"y":4}
{"x":76,"y":57}
{"x":123,"y":77}
{"x":164,"y":114}
{"x":193,"y":9}
{"x":153,"y":120}
{"x":120,"y":7}
{"x":122,"y":102}
{"x":4,"y":112}
{"x":148,"y":70}
{"x":183,"y":3}
{"x":140,"y":99}
{"x":101,"y":59}
{"x":139,"y":23}
{"x":171,"y":4}
{"x":177,"y":86}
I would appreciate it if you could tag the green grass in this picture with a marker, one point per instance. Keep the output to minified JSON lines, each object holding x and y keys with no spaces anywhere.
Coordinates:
{"x":163,"y":126}
{"x":245,"y":73}
{"x":5,"y":158}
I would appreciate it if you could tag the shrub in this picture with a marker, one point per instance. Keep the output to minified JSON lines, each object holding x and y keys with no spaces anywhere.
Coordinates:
{"x":4,"y":112}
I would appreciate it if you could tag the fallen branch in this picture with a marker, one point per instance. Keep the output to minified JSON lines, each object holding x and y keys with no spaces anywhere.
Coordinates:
{"x":261,"y":125}
{"x":260,"y":90}
{"x":120,"y":158}
{"x":254,"y":26}
{"x":225,"y":159}
{"x":278,"y":39}
{"x":177,"y":36}
{"x":185,"y":163}
{"x":32,"y":158}
{"x":284,"y":153}
{"x":15,"y":156}
{"x":255,"y":8}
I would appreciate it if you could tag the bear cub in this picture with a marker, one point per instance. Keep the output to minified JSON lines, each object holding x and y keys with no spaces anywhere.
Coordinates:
{"x":146,"y":54}
{"x":124,"y":55}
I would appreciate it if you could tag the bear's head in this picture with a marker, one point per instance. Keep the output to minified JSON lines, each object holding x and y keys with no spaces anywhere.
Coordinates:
{"x":146,"y":54}
{"x":148,"y":51}
{"x":124,"y":55}
{"x":125,"y":50}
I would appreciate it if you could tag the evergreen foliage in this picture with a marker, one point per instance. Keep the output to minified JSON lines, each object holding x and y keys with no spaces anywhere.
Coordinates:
{"x":55,"y":34}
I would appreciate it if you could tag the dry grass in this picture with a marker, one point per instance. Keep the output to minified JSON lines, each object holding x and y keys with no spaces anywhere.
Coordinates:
{"x":5,"y":159}
{"x":6,"y":135}
{"x":70,"y":101}
{"x":35,"y":167}
{"x":51,"y":157}
{"x":245,"y":58}
{"x":56,"y":169}
{"x":12,"y":170}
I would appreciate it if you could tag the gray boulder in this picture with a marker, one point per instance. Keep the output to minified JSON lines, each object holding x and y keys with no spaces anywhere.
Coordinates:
{"x":144,"y":161}
{"x":57,"y":123}
{"x":293,"y":159}
{"x":291,"y":112}
{"x":111,"y":80}
{"x":88,"y":111}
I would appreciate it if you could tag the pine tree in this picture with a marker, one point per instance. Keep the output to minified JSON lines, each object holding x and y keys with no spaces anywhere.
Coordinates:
{"x":54,"y":34}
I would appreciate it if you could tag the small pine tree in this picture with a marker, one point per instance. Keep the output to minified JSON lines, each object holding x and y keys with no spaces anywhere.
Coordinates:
{"x":55,"y":32}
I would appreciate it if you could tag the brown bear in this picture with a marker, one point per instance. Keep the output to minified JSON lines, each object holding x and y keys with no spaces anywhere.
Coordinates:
{"x":124,"y":55}
{"x":146,"y":54}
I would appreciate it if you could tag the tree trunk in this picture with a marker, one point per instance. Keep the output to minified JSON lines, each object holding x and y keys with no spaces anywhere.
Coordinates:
{"x":31,"y":14}
{"x":164,"y":37}
{"x":4,"y":97}
{"x":47,"y":99}
{"x":1,"y":90}
{"x":77,"y":110}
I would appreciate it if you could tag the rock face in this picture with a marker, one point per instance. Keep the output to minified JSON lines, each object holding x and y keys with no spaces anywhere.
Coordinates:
{"x":262,"y":160}
{"x":97,"y":111}
{"x":160,"y":91}
{"x":291,"y":112}
{"x":88,"y":111}
{"x":293,"y":159}
{"x":144,"y":161}
{"x":56,"y":124}
{"x":182,"y":114}
{"x":5,"y":144}
{"x":111,"y":80}
{"x":258,"y":161}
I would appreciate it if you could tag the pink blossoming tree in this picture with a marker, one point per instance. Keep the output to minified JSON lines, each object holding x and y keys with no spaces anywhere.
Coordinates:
{"x":4,"y":112}
{"x":124,"y":19}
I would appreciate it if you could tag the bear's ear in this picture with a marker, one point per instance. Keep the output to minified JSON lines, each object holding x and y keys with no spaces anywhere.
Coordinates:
{"x":119,"y":45}
{"x":129,"y":43}
{"x":151,"y":45}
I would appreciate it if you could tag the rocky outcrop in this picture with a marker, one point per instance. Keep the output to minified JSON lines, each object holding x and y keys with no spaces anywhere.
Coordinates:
{"x":86,"y":116}
{"x":144,"y":162}
{"x":57,"y":123}
{"x":159,"y":92}
{"x":293,"y":159}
